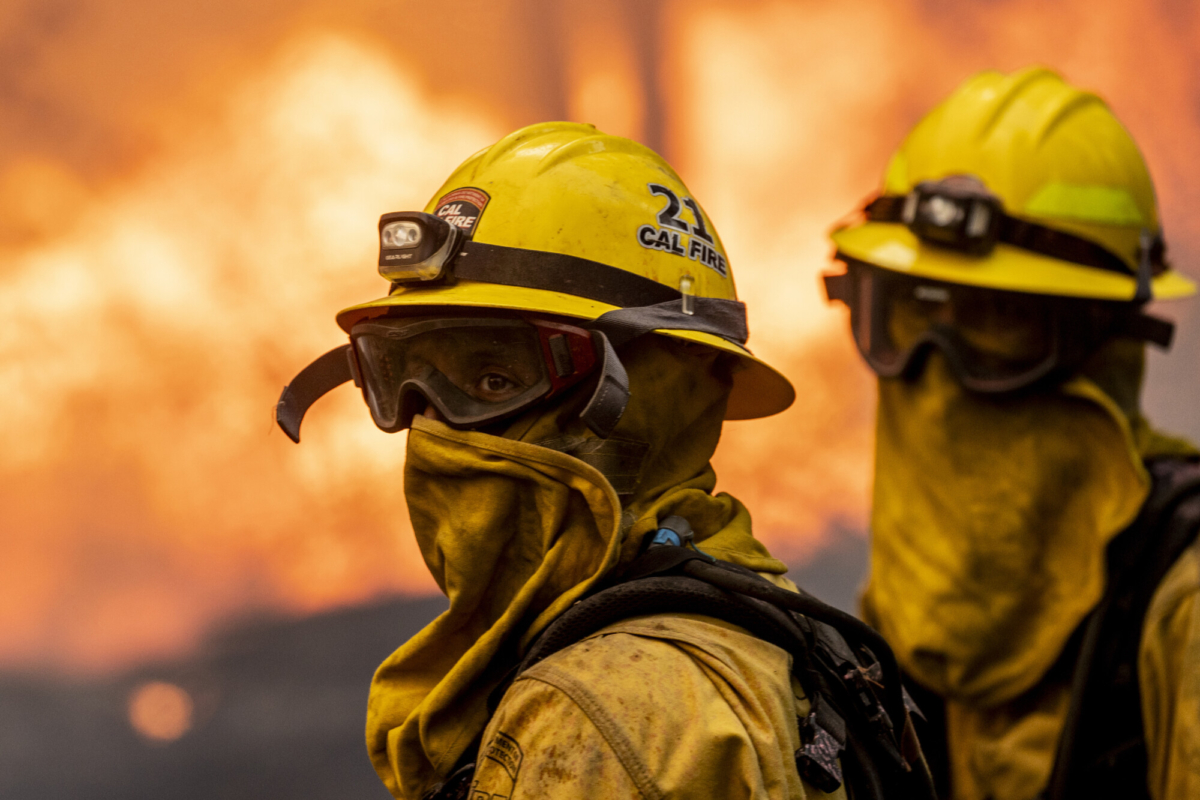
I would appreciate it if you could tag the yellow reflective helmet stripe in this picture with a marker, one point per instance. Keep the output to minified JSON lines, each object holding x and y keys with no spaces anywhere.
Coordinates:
{"x":1102,"y":205}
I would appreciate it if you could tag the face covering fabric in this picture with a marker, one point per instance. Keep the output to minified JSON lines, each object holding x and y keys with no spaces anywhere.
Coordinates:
{"x":989,"y":525}
{"x":514,"y":532}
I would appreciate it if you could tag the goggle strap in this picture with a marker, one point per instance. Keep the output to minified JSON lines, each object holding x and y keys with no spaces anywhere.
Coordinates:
{"x":646,"y":305}
{"x":314,"y":381}
{"x":607,"y":404}
{"x":838,"y":287}
{"x":724,"y":318}
{"x":1150,"y":329}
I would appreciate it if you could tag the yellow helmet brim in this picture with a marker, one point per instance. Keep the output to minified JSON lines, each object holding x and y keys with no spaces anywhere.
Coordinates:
{"x":893,"y":246}
{"x":758,"y":389}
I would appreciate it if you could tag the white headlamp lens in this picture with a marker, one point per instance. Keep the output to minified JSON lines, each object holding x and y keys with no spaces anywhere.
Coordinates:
{"x":942,"y":211}
{"x":400,"y":234}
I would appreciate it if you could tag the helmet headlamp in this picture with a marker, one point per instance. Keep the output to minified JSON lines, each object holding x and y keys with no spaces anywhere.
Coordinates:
{"x":960,"y":213}
{"x":415,"y":247}
{"x":400,"y":235}
{"x":957,"y":212}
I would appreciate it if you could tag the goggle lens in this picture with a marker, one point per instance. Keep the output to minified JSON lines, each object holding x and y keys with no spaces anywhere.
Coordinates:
{"x":994,"y":340}
{"x":474,"y":371}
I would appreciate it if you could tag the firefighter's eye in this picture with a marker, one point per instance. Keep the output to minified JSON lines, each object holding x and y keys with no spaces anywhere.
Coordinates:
{"x":495,"y":387}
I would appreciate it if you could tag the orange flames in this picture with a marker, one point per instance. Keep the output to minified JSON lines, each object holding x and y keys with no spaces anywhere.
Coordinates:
{"x":159,"y":291}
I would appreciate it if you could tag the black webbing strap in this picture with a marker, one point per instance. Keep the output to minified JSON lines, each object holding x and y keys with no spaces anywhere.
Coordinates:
{"x":1036,"y":238}
{"x":326,"y":373}
{"x":681,"y":580}
{"x":1063,"y":246}
{"x":886,"y":208}
{"x":645,"y":305}
{"x":839,"y":287}
{"x":538,"y":269}
{"x":1102,"y":750}
{"x":724,"y":318}
{"x":1148,"y":328}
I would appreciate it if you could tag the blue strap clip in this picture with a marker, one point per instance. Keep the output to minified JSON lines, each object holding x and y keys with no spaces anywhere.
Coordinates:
{"x":675,"y":531}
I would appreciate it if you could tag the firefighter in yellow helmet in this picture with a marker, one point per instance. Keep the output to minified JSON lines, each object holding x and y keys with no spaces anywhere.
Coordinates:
{"x":1032,"y":536}
{"x":562,"y":341}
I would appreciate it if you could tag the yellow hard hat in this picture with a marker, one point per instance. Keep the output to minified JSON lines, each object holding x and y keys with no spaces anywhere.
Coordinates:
{"x":561,"y":219}
{"x":568,"y":189}
{"x":1076,"y":214}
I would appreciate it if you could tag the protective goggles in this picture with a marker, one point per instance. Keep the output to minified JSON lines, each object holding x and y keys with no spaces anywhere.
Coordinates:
{"x":994,"y":341}
{"x":960,"y":213}
{"x":474,"y":371}
{"x":402,"y":364}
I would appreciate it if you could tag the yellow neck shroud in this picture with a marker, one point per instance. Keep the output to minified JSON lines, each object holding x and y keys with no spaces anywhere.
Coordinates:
{"x":515,"y":532}
{"x":989,"y":526}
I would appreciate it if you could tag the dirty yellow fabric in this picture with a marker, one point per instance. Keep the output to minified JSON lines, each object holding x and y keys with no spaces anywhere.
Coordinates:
{"x":1005,"y":716}
{"x":652,"y":707}
{"x":514,"y":532}
{"x":1169,"y":679}
{"x":989,"y":524}
{"x":1006,"y":752}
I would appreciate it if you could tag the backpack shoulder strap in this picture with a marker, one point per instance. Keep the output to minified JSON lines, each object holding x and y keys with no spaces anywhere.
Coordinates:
{"x":859,"y":716}
{"x":1102,"y":750}
{"x":846,"y":669}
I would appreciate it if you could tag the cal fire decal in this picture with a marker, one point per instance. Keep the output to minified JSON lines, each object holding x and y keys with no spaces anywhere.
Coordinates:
{"x":462,"y":208}
{"x":680,"y":237}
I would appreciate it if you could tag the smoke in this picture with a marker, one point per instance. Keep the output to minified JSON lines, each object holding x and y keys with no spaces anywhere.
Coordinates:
{"x":145,"y":487}
{"x":188,"y":194}
{"x":787,"y":119}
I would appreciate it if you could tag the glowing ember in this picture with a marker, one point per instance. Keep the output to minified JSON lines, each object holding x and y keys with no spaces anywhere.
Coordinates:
{"x":160,"y":711}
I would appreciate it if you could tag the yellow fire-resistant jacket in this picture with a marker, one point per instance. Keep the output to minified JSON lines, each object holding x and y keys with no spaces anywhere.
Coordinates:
{"x":653,"y":707}
{"x":515,"y":532}
{"x":1006,"y":752}
{"x":1169,"y":680}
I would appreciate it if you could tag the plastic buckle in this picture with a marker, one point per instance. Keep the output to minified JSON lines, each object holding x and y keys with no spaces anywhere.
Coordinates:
{"x":817,"y":759}
{"x":674,"y":531}
{"x":862,"y":688}
{"x":665,"y":536}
